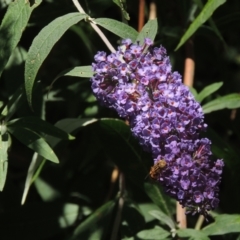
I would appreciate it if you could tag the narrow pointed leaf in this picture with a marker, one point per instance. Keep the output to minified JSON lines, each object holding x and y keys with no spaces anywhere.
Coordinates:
{"x":3,"y":159}
{"x":120,"y":29}
{"x":121,"y":5}
{"x":35,"y":142}
{"x":15,"y":102}
{"x":211,"y":22}
{"x":163,"y":218}
{"x":160,"y":199}
{"x":82,"y":71}
{"x":42,"y":45}
{"x":92,"y":221}
{"x":40,"y":126}
{"x":208,"y":91}
{"x":148,"y":31}
{"x":70,"y":125}
{"x":13,"y":24}
{"x":36,"y":163}
{"x":230,"y":101}
{"x":194,"y":92}
{"x":204,"y":15}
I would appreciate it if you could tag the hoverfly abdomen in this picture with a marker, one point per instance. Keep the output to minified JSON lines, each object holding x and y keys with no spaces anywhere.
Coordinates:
{"x":157,"y":168}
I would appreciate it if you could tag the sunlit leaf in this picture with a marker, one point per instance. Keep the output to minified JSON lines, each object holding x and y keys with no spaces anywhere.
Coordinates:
{"x":13,"y":104}
{"x":42,"y":45}
{"x":224,"y":223}
{"x":70,"y":125}
{"x":230,"y":101}
{"x":211,"y":22}
{"x":38,"y":125}
{"x":163,"y":218}
{"x":70,"y":215}
{"x":47,"y":192}
{"x":83,"y":72}
{"x":4,"y":138}
{"x":13,"y":24}
{"x":204,"y":15}
{"x":208,"y":91}
{"x":158,"y":197}
{"x":34,"y":141}
{"x":121,"y":4}
{"x":146,"y":208}
{"x":193,"y":234}
{"x":154,"y":234}
{"x":120,"y":29}
{"x":149,"y":30}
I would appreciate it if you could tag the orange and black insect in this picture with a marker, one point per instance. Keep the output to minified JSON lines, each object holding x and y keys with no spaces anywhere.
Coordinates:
{"x":157,"y":168}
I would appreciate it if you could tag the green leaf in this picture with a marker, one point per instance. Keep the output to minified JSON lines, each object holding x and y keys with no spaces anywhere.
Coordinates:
{"x":34,"y":170}
{"x":121,"y":5}
{"x":158,"y":197}
{"x":4,"y":143}
{"x":163,"y":218}
{"x":109,"y":134}
{"x":149,"y":30}
{"x":145,"y":210}
{"x":13,"y":104}
{"x":208,"y":90}
{"x":193,"y":91}
{"x":194,"y":234}
{"x":70,"y":215}
{"x":225,"y":223}
{"x":42,"y":45}
{"x":83,"y":71}
{"x":92,"y":222}
{"x":204,"y":15}
{"x":13,"y":24}
{"x":230,"y":101}
{"x":69,"y":125}
{"x":132,"y":218}
{"x":47,"y":192}
{"x":154,"y":234}
{"x":35,"y":142}
{"x":38,"y":125}
{"x":120,"y":29}
{"x":211,"y":22}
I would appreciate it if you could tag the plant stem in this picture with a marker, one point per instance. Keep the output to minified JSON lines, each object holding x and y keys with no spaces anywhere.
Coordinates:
{"x":117,"y":220}
{"x":189,"y":64}
{"x":95,"y":27}
{"x":181,"y":216}
{"x":199,"y":222}
{"x":141,"y":14}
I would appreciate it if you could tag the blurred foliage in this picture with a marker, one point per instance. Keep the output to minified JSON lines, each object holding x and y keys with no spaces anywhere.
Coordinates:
{"x":100,"y":187}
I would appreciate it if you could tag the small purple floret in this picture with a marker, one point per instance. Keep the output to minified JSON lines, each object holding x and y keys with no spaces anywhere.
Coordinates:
{"x":138,"y":82}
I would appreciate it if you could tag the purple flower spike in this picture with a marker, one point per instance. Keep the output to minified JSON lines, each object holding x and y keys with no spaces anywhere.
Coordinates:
{"x":138,"y":82}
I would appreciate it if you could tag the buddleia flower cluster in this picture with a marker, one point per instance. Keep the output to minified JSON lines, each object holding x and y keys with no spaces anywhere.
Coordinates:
{"x":137,"y":81}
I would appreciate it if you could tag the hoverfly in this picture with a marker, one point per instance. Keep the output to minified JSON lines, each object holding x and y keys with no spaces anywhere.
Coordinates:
{"x":157,"y":168}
